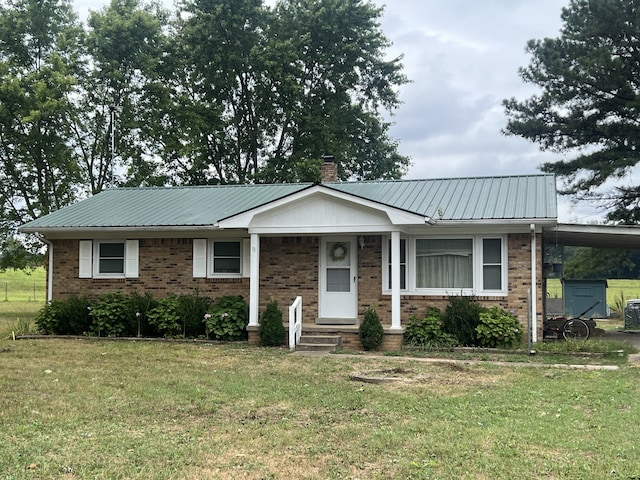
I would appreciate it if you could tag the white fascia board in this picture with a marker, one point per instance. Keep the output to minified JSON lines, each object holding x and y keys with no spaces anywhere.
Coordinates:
{"x":329,"y":229}
{"x":478,"y":227}
{"x":598,"y":229}
{"x":396,"y":216}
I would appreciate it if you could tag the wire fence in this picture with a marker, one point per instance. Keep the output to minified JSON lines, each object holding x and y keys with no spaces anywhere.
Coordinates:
{"x":23,"y":291}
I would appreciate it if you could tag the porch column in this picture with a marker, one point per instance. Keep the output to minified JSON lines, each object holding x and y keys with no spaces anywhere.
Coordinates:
{"x":395,"y":280}
{"x":254,"y":276}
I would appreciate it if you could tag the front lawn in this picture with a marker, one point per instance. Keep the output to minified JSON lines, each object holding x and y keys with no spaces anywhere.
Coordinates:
{"x":137,"y":410}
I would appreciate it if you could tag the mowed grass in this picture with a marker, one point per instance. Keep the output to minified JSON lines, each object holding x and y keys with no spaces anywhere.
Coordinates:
{"x":134,"y":410}
{"x":22,"y":295}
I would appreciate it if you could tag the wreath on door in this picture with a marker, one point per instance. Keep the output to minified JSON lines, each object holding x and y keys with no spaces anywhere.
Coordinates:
{"x":338,"y":252}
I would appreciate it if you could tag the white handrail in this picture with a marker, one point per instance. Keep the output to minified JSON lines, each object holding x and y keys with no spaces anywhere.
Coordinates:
{"x":295,"y":322}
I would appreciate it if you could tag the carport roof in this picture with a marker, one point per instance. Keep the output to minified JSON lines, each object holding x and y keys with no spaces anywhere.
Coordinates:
{"x":599,"y":236}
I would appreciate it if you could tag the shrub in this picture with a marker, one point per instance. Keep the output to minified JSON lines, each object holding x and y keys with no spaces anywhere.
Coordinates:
{"x":65,"y":317}
{"x":371,"y":331}
{"x":110,"y":314}
{"x":228,"y":319}
{"x":165,"y":316}
{"x":193,"y":308}
{"x":427,"y":331}
{"x":138,"y":315}
{"x":498,"y":329}
{"x":461,"y":317}
{"x":271,"y":330}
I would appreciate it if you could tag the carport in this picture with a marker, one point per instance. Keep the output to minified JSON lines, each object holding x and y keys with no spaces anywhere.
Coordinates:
{"x":597,"y":236}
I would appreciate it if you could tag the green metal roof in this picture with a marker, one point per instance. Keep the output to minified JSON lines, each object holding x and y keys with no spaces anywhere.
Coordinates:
{"x":477,"y":198}
{"x":472,"y":198}
{"x":162,"y":207}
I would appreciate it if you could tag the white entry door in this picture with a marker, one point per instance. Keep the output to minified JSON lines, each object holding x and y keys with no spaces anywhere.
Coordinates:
{"x":338,"y":281}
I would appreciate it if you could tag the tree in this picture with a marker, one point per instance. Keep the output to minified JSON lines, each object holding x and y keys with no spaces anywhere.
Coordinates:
{"x":586,"y":262}
{"x":40,"y":53}
{"x":125,"y":42}
{"x":260,"y":94}
{"x":590,"y":102}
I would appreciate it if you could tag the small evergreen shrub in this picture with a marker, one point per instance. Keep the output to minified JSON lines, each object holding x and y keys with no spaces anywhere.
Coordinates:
{"x":228,"y":319}
{"x":461,"y":317}
{"x":110,"y":314}
{"x":427,"y":332}
{"x":371,"y":332}
{"x":165,"y":316}
{"x":498,"y":329}
{"x":193,"y":308}
{"x":271,"y":330}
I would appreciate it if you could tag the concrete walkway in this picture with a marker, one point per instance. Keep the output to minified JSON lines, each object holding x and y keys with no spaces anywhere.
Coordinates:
{"x":564,"y":366}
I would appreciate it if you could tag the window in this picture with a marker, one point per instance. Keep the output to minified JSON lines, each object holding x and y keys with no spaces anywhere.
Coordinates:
{"x":492,"y":263}
{"x":472,"y":265}
{"x":403,"y":264}
{"x":226,"y":257}
{"x":108,"y":258}
{"x":444,"y":263}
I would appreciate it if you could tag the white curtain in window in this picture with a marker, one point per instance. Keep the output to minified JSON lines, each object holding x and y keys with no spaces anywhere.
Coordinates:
{"x":444,"y":263}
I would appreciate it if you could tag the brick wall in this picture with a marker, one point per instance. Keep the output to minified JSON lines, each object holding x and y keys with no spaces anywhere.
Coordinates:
{"x":165,"y":267}
{"x":288,"y":267}
{"x":519,"y":261}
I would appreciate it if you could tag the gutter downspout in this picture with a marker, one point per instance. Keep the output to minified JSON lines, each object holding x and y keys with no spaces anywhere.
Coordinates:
{"x":534,"y":288}
{"x":50,"y":267}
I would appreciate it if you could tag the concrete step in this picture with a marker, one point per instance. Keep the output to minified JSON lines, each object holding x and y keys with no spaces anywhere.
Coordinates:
{"x":320,"y":343}
{"x":326,"y":339}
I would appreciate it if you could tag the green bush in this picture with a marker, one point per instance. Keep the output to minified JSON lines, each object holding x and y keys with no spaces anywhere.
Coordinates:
{"x":65,"y":317}
{"x":193,"y":308}
{"x":461,"y":317}
{"x":271,"y":330}
{"x":427,"y":332}
{"x":498,"y":329}
{"x":138,"y":320}
{"x":110,"y":314}
{"x":371,"y":332}
{"x":165,"y":316}
{"x":228,"y":319}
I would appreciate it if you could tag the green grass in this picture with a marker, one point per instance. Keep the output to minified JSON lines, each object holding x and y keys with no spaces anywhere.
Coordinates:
{"x":104,"y":410}
{"x":18,"y":308}
{"x":23,"y":286}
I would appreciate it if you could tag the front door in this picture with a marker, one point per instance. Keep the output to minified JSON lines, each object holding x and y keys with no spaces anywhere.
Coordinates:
{"x":338,"y":281}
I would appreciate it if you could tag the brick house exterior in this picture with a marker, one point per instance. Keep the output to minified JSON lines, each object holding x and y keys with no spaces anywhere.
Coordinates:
{"x":288,"y":237}
{"x":167,"y":269}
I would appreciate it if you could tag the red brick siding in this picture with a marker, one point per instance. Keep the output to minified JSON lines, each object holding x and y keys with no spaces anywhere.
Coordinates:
{"x":165,"y":266}
{"x":288,"y":267}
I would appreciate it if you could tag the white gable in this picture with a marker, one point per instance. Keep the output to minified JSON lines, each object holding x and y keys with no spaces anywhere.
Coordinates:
{"x":321,"y":210}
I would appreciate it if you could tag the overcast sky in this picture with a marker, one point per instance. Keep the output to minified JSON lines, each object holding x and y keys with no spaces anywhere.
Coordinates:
{"x":462,"y":57}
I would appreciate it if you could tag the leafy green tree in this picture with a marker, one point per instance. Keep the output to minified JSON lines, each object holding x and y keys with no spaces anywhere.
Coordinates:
{"x":589,"y":104}
{"x":260,"y":94}
{"x":40,"y":51}
{"x":587,"y":262}
{"x":125,"y":43}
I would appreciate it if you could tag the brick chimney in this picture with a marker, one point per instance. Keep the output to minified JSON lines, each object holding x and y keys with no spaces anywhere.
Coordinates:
{"x":329,"y":171}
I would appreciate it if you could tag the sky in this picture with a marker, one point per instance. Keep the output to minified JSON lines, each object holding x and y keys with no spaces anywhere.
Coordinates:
{"x":462,"y":57}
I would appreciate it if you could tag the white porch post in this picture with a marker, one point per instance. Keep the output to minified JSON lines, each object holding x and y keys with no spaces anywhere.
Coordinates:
{"x":395,"y":280}
{"x":254,"y":275}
